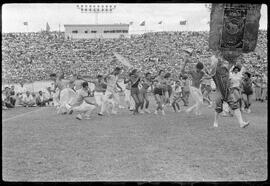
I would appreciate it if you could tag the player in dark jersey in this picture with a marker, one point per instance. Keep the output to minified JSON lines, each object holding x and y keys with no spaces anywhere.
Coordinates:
{"x":219,"y":71}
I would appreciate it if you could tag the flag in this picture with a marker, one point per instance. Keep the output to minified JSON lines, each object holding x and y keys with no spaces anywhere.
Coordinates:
{"x":143,"y":23}
{"x":131,"y":23}
{"x":160,"y":22}
{"x":122,"y":59}
{"x":25,"y":23}
{"x":47,"y":27}
{"x":183,"y":22}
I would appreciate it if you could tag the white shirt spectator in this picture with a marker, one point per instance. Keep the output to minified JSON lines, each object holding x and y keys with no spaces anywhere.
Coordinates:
{"x":28,"y":98}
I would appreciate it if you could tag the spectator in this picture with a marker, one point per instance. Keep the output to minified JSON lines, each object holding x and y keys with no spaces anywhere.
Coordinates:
{"x":50,"y":52}
{"x":28,"y":100}
{"x":4,"y":106}
{"x":8,"y":100}
{"x":41,"y":100}
{"x":12,"y":95}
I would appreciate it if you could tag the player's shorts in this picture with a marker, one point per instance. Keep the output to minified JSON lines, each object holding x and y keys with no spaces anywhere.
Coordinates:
{"x":232,"y":101}
{"x":177,"y":97}
{"x":247,"y":90}
{"x":158,"y":91}
{"x":134,"y":91}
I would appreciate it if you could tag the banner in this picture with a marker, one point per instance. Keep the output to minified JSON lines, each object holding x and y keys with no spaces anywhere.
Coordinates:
{"x":234,"y":27}
{"x":123,"y":60}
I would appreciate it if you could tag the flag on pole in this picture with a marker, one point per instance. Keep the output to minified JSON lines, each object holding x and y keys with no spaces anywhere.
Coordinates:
{"x":143,"y":23}
{"x":131,"y":23}
{"x":25,"y":23}
{"x":47,"y":27}
{"x":183,"y":22}
{"x":160,"y":22}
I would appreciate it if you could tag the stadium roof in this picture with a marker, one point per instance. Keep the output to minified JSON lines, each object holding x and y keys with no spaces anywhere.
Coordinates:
{"x":67,"y":25}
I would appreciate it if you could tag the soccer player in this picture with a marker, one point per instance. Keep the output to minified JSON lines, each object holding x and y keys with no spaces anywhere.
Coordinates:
{"x":195,"y":91}
{"x":81,"y":104}
{"x":100,"y":89}
{"x":219,"y":70}
{"x":247,"y":91}
{"x":158,"y":94}
{"x":146,"y":84}
{"x":185,"y":89}
{"x":59,"y":85}
{"x":177,"y":94}
{"x":134,"y":78}
{"x":128,"y":99}
{"x":235,"y":76}
{"x":111,"y":81}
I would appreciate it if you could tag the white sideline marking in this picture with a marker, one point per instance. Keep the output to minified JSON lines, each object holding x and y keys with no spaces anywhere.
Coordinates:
{"x":23,"y":114}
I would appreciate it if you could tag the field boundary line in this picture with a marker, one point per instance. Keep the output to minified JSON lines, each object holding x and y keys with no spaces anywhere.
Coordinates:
{"x":23,"y":114}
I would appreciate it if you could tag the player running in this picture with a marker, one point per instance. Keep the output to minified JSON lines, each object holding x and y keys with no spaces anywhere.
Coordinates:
{"x":219,"y":71}
{"x":111,"y":92}
{"x":81,"y":104}
{"x":146,"y":84}
{"x":195,"y":91}
{"x":134,"y":79}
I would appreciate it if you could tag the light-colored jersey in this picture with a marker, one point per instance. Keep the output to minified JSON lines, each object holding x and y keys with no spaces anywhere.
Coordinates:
{"x":78,"y":100}
{"x":235,"y":79}
{"x":61,"y":84}
{"x":111,"y":82}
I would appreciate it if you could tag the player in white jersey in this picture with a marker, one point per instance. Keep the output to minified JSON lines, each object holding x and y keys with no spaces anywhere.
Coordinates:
{"x":100,"y":88}
{"x":111,"y":91}
{"x":59,"y":85}
{"x":81,"y":104}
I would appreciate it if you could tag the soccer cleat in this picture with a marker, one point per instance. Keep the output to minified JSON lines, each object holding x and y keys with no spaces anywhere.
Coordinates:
{"x":100,"y":114}
{"x":156,"y":112}
{"x":215,"y":124}
{"x":248,"y":111}
{"x":179,"y":110}
{"x":245,"y":124}
{"x":70,"y":111}
{"x":79,"y":117}
{"x":141,"y":112}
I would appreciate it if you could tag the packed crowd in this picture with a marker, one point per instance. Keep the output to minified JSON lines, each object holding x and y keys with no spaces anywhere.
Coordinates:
{"x":32,"y":56}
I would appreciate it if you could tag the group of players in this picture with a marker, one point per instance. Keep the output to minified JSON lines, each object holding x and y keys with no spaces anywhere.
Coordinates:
{"x":167,"y":90}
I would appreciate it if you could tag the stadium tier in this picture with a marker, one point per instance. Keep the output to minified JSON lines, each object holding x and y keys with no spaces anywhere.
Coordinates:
{"x":33,"y":56}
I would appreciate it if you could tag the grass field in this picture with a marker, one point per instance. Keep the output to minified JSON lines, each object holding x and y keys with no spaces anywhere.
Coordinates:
{"x":39,"y":145}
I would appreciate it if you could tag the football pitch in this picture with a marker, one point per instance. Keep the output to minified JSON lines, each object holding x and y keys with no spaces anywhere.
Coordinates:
{"x":39,"y":145}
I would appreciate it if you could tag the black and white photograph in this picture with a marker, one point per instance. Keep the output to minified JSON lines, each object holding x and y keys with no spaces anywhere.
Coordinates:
{"x":144,"y":92}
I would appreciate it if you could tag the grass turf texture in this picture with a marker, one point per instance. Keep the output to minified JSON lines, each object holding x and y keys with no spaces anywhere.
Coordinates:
{"x":43,"y":146}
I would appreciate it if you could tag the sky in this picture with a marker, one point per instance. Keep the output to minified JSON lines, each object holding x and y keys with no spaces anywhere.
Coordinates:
{"x":37,"y":15}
